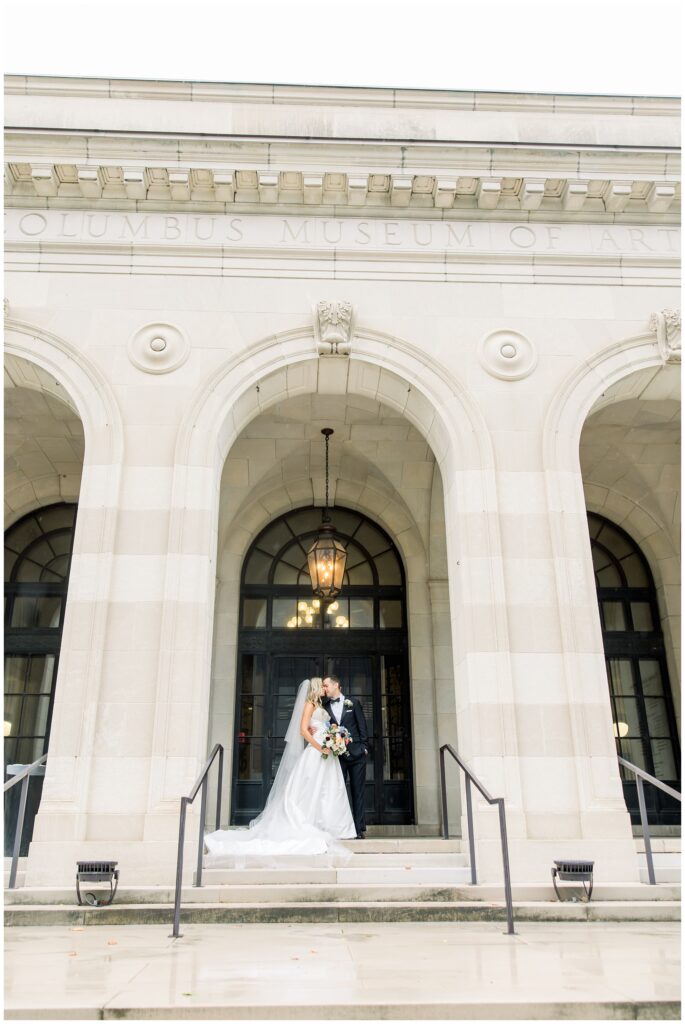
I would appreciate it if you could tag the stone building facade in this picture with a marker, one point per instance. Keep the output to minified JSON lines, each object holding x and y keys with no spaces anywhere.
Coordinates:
{"x":477,"y":292}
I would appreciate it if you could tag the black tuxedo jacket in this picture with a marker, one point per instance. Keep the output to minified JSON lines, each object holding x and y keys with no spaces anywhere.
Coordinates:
{"x":355,"y":723}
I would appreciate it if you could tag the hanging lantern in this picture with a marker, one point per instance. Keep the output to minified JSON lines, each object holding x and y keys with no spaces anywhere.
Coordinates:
{"x":327,"y":555}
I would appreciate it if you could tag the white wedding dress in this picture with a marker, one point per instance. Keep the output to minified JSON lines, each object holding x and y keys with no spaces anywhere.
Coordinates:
{"x":307,"y":810}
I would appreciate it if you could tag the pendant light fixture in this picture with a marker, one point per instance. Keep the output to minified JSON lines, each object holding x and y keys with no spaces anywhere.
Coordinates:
{"x":327,"y":555}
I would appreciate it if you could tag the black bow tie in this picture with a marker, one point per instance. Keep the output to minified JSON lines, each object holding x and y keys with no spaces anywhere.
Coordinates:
{"x":336,"y":700}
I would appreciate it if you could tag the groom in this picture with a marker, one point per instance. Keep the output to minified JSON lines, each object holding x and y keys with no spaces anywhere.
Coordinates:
{"x":349,"y":713}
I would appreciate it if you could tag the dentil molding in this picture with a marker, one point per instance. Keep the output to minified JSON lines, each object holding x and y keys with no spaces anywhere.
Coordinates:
{"x":507,"y":354}
{"x":543,"y":189}
{"x":333,"y":328}
{"x":158,"y":348}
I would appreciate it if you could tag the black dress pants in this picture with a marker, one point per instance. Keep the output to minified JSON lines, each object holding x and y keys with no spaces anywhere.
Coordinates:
{"x":355,"y":771}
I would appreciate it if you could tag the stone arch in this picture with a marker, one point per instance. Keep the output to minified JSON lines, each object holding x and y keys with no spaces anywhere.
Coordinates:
{"x":570,"y":407}
{"x":77,"y":382}
{"x":435,"y":401}
{"x":385,"y":369}
{"x":580,"y":629}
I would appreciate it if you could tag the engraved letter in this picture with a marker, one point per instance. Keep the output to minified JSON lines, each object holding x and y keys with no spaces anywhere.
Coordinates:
{"x":637,"y":238}
{"x":390,"y":231}
{"x":464,"y":238}
{"x":90,"y":226}
{"x":607,"y":239}
{"x":427,"y":234}
{"x":208,"y":231}
{"x":63,"y":230}
{"x":332,"y":241}
{"x":295,"y":235}
{"x":32,"y":224}
{"x":141,"y":229}
{"x":669,"y":233}
{"x":363,"y":235}
{"x":172,"y":230}
{"x":236,"y":226}
{"x":522,"y":237}
{"x":553,"y":237}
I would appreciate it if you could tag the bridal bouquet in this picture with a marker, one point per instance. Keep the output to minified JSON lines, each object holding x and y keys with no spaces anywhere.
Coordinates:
{"x":335,"y":740}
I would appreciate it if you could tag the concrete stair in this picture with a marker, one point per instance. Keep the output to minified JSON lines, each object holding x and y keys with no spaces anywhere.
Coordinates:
{"x":666,"y":853}
{"x":386,"y":880}
{"x":21,"y":871}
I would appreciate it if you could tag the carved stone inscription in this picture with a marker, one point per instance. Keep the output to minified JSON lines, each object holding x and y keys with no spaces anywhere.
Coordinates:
{"x":342,"y":234}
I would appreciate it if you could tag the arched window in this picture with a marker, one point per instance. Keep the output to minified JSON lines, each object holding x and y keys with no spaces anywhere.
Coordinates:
{"x":641,"y":701}
{"x":286,"y":635}
{"x":37,"y":559}
{"x":276,"y":567}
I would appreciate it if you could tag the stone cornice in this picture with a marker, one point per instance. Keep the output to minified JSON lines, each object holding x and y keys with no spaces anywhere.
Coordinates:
{"x":100,"y":88}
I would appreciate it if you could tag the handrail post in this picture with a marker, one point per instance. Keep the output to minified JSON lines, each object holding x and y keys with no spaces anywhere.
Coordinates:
{"x":219,"y":788}
{"x":443,"y":790}
{"x":472,"y":839}
{"x":19,"y":831}
{"x":175,"y":934}
{"x":645,"y":829}
{"x":505,"y":866}
{"x":201,"y":838}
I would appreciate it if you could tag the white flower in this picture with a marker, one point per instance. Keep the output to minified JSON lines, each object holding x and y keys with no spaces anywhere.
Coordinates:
{"x":348,"y":703}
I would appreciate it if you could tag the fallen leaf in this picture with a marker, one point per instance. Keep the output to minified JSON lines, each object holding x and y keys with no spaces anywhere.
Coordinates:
{"x":112,"y":942}
{"x":77,"y":929}
{"x":72,"y":952}
{"x":313,"y":951}
{"x":294,"y":958}
{"x":186,"y":993}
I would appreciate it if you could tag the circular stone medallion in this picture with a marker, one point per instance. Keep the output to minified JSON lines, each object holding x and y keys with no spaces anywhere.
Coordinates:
{"x":507,"y":355}
{"x":158,"y":348}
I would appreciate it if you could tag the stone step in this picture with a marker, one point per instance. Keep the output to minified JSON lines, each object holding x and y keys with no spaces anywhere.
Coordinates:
{"x":418,"y":844}
{"x":333,"y":876}
{"x":329,"y":912}
{"x":666,"y":854}
{"x":663,"y":844}
{"x":307,"y":892}
{"x":21,"y":878}
{"x":361,"y":861}
{"x":510,"y":1009}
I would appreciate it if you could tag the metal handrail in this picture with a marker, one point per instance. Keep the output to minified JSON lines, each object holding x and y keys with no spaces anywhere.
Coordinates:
{"x":185,"y":802}
{"x":641,"y":774}
{"x":471,"y":778}
{"x":22,"y":777}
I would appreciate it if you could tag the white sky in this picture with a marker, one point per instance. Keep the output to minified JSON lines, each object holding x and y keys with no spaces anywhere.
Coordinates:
{"x":603,"y":46}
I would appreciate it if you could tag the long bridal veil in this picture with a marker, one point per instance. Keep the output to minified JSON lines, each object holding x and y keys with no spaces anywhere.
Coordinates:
{"x":294,"y":745}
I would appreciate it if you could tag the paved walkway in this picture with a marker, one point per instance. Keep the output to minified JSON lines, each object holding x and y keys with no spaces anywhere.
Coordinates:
{"x":414,"y":971}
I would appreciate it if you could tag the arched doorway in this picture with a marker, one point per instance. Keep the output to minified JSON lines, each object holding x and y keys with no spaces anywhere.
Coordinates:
{"x":641,"y":701}
{"x":286,"y":636}
{"x":37,"y":560}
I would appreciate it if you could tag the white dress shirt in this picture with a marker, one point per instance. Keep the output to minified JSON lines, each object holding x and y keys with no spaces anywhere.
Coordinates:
{"x":337,"y":707}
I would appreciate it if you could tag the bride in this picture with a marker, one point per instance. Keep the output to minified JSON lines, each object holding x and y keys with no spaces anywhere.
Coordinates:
{"x":307,"y":810}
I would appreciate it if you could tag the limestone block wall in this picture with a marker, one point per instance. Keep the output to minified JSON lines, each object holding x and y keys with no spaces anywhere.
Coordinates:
{"x":519,"y":597}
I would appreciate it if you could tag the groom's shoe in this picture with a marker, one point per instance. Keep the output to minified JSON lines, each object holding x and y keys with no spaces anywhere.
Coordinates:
{"x":361,"y":836}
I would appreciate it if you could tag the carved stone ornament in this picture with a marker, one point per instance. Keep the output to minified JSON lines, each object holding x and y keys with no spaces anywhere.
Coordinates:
{"x":666,"y":325}
{"x":507,"y":354}
{"x":333,"y":327}
{"x":6,"y":306}
{"x":158,"y":348}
